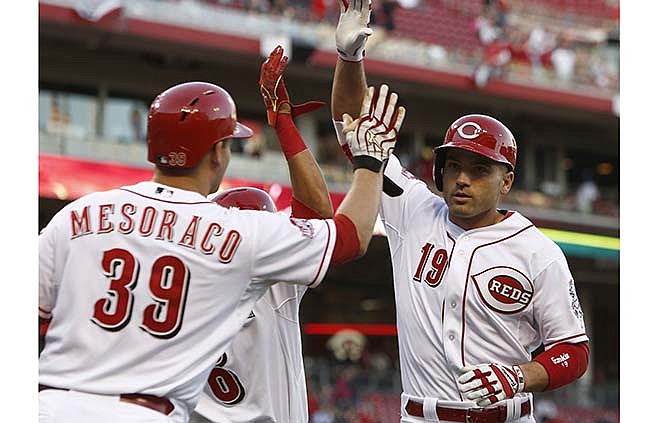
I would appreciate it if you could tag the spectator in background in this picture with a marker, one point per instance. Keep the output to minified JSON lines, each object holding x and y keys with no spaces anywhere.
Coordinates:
{"x":136,"y":125}
{"x":424,"y":165}
{"x":486,"y":28}
{"x":539,"y":42}
{"x":497,"y":48}
{"x":318,"y":9}
{"x":343,"y":395}
{"x":59,"y":118}
{"x":497,"y":55}
{"x":389,"y":6}
{"x":323,"y":415}
{"x":255,"y":146}
{"x":587,"y":193}
{"x":563,"y":59}
{"x":498,"y":10}
{"x":546,"y":411}
{"x":387,"y":17}
{"x":599,"y":71}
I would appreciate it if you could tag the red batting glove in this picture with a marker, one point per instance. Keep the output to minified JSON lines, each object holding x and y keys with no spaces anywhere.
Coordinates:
{"x":273,"y":88}
{"x":489,"y":383}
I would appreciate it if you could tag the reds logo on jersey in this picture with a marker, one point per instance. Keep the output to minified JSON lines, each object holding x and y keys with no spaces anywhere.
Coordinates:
{"x":504,"y":289}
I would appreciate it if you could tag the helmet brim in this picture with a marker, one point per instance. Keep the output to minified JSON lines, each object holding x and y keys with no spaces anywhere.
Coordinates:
{"x":242,"y":131}
{"x":477,"y":149}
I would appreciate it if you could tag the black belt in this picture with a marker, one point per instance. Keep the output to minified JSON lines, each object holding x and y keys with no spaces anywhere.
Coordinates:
{"x":162,"y":405}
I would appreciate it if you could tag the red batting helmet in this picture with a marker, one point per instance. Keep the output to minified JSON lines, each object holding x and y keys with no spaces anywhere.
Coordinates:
{"x":246,"y":198}
{"x":479,"y":134}
{"x":187,"y":119}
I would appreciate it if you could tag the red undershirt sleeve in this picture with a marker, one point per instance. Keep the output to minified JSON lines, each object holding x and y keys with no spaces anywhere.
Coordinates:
{"x":347,"y":244}
{"x":302,"y":211}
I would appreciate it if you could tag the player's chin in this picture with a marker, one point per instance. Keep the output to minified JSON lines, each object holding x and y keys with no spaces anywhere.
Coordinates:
{"x":460,"y":208}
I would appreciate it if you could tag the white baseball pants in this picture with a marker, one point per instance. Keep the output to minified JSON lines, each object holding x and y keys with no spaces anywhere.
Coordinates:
{"x":59,"y":406}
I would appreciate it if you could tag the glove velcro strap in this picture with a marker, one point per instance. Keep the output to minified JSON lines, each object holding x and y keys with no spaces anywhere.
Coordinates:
{"x":367,"y":162}
{"x":310,"y":106}
{"x":355,"y":58}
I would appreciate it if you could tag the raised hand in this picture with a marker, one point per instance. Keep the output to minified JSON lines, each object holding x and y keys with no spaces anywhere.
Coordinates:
{"x":352,"y":30}
{"x":372,"y":137}
{"x":273,"y":88}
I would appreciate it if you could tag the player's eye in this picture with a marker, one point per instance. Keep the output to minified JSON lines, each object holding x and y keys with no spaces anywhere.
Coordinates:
{"x":451,"y":165}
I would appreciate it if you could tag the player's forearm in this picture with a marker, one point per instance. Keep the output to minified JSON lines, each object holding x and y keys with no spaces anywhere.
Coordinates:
{"x":309,"y":186}
{"x":559,"y":366}
{"x":361,"y":204}
{"x":349,"y":85}
{"x":535,"y":375}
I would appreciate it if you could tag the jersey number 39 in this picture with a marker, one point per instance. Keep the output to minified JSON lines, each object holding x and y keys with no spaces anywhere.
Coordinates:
{"x":168,"y":286}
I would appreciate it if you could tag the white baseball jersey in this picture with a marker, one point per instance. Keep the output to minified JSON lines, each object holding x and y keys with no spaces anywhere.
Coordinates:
{"x":261,"y":377}
{"x":147,"y":285}
{"x":491,"y":294}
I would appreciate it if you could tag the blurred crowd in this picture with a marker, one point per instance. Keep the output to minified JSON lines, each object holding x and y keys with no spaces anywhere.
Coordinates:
{"x":546,"y":46}
{"x":538,"y":41}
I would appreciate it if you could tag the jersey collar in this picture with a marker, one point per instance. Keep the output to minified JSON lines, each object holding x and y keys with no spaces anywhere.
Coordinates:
{"x":167,"y":193}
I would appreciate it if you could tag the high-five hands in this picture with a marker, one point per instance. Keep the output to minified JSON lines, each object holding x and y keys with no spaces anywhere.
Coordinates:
{"x":274,"y":90}
{"x":489,"y":383}
{"x":352,"y":30}
{"x":372,"y":137}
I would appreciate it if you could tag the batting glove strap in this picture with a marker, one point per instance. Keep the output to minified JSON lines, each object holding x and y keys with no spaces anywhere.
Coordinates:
{"x":352,"y":29}
{"x":274,"y":99}
{"x":367,"y":162}
{"x":490,"y":383}
{"x":307,"y":107}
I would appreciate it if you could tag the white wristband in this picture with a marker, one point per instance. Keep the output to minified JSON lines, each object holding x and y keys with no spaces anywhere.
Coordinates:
{"x":522,"y":379}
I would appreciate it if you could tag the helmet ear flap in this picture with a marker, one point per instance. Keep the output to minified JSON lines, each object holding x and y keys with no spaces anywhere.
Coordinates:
{"x":438,"y":169}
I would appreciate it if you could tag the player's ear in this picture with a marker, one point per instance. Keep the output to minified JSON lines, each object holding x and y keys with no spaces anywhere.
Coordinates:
{"x":219,"y":152}
{"x":508,"y":180}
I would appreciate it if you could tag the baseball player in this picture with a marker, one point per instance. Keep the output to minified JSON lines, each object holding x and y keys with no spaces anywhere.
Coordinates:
{"x":261,"y":376}
{"x":477,"y":288}
{"x":147,"y":284}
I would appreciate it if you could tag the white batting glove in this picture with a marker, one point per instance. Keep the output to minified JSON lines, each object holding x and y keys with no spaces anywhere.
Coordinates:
{"x":352,"y":29}
{"x":489,"y":383}
{"x":371,"y":138}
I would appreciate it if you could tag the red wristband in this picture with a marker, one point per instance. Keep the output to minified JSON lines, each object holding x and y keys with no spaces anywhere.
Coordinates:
{"x":564,"y":363}
{"x":289,"y":138}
